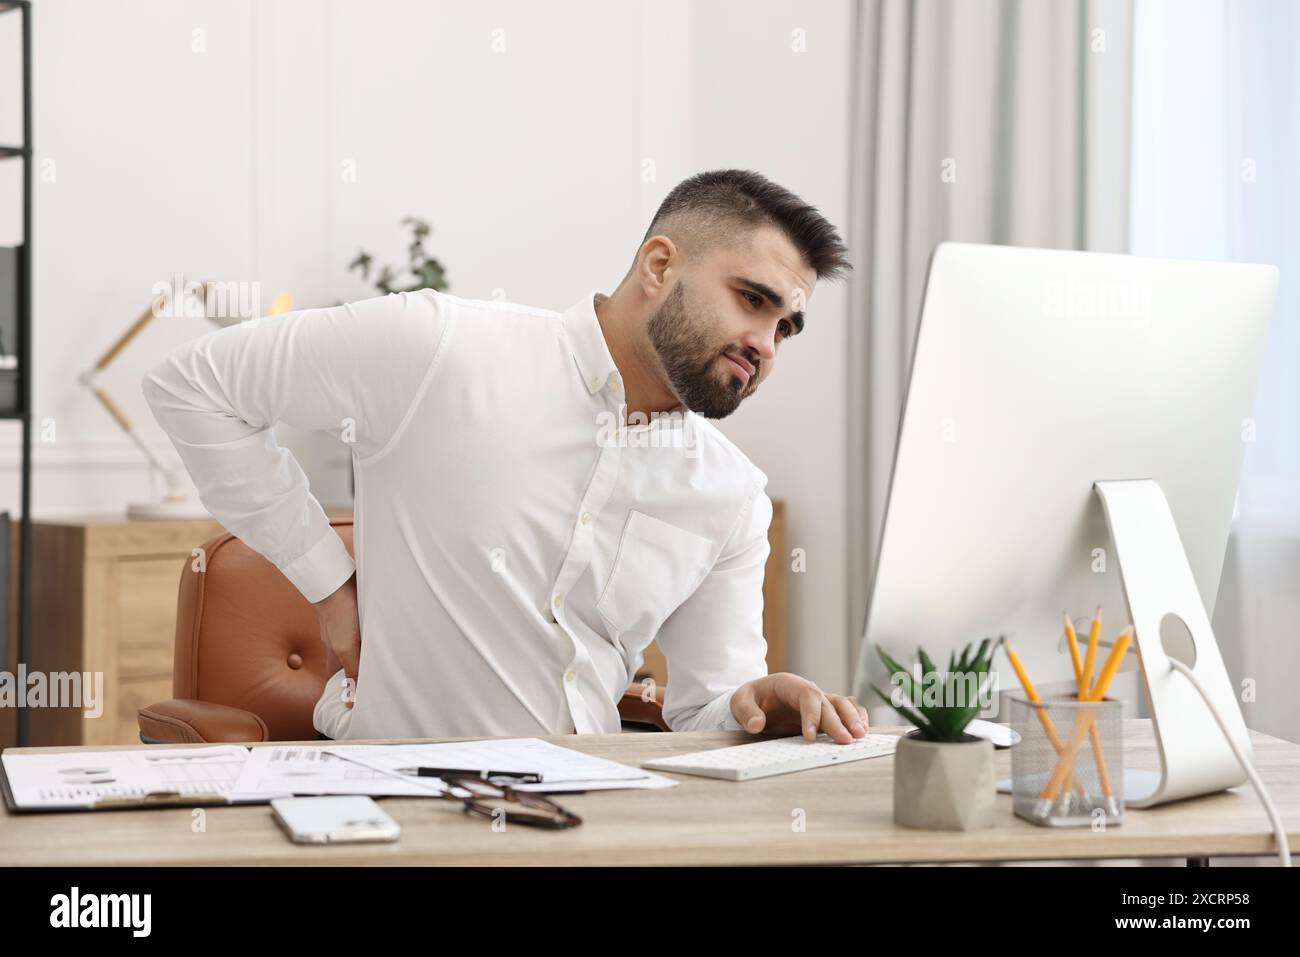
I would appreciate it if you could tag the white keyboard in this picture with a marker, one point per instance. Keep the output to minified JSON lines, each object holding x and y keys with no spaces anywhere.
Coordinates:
{"x":761,"y":759}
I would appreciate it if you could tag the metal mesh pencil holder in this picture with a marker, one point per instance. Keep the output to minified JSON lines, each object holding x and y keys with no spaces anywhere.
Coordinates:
{"x":1068,"y":768}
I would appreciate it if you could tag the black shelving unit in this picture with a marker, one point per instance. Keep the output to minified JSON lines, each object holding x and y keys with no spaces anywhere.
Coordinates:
{"x":22,"y":152}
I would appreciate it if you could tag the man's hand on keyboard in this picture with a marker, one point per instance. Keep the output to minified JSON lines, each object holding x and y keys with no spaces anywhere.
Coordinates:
{"x":787,"y":704}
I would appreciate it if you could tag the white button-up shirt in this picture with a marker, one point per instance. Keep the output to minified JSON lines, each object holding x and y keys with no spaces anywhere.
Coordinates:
{"x":518,"y":542}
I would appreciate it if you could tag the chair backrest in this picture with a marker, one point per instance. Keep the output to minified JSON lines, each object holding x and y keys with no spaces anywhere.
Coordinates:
{"x":245,"y":637}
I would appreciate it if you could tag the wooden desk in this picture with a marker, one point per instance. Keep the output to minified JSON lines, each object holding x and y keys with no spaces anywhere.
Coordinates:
{"x":847,"y":809}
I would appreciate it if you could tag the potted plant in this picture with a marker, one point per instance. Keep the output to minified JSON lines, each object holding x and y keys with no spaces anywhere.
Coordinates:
{"x":943,"y":776}
{"x":421,"y":271}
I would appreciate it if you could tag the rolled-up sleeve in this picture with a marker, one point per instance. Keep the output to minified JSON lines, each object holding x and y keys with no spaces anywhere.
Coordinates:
{"x":354,"y":370}
{"x":714,"y":641}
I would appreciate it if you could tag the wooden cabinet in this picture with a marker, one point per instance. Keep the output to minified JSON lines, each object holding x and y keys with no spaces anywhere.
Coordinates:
{"x":104,"y":600}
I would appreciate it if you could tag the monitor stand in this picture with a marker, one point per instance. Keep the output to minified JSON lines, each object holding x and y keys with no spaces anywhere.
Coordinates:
{"x":1194,"y":757}
{"x":1158,"y":583}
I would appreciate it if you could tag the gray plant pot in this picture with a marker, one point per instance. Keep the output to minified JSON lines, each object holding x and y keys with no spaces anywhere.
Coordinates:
{"x":943,"y":786}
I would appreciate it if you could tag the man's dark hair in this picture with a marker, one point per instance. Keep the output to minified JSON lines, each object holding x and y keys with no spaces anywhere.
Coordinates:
{"x":720,"y":207}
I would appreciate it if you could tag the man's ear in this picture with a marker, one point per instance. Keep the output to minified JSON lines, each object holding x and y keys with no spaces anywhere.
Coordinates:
{"x":657,"y":254}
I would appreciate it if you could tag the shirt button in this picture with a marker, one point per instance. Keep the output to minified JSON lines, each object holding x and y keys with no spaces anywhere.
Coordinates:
{"x":614,"y":385}
{"x":586,"y":518}
{"x":595,"y":383}
{"x":570,"y":676}
{"x":559,"y":600}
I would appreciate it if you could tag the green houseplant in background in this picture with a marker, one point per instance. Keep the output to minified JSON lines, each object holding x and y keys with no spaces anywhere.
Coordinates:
{"x":421,"y":271}
{"x":943,"y":776}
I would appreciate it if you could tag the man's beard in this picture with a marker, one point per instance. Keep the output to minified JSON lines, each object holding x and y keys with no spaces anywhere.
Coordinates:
{"x":690,"y":357}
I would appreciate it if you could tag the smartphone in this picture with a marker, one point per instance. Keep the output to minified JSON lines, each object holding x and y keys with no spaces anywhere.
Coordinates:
{"x":334,"y":819}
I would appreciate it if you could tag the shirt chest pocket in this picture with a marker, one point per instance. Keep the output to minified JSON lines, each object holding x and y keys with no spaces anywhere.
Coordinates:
{"x":657,"y":567}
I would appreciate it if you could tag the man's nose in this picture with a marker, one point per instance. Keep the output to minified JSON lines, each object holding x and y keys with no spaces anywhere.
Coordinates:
{"x":761,"y":344}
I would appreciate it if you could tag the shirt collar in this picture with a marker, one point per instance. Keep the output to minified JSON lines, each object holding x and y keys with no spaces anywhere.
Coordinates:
{"x":588,"y":343}
{"x":591,"y":352}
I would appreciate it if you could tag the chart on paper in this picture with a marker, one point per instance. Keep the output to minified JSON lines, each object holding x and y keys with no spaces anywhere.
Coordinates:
{"x":83,"y":778}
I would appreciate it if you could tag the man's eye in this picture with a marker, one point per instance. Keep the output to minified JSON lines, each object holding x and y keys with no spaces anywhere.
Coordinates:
{"x":784,"y":327}
{"x":752,"y":299}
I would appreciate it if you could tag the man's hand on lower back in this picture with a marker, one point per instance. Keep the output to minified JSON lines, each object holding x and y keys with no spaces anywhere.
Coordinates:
{"x":787,"y":704}
{"x":340,"y":630}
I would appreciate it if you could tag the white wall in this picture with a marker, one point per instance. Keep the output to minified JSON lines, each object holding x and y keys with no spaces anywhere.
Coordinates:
{"x":143,"y":167}
{"x":227,"y":162}
{"x":761,"y":105}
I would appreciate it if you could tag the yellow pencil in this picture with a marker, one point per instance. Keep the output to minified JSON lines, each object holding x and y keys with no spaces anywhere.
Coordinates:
{"x":1065,"y":763}
{"x":1098,"y":756}
{"x":1074,"y":652}
{"x":1030,"y":692}
{"x":1113,"y":661}
{"x":1093,"y":634}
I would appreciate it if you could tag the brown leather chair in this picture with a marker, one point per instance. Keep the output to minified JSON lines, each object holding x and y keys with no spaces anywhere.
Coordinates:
{"x":250,"y":664}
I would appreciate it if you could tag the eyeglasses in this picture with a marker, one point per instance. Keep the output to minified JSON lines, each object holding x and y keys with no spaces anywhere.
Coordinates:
{"x":515,"y":807}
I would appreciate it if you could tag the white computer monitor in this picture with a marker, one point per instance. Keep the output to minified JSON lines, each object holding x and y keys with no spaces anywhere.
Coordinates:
{"x":1036,"y":374}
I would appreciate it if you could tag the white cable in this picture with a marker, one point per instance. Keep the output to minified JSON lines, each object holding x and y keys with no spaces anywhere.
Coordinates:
{"x":1279,"y":832}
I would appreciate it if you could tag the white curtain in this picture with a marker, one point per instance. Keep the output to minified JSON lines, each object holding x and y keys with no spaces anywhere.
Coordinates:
{"x":1215,"y":156}
{"x":1159,"y":127}
{"x":1000,"y":121}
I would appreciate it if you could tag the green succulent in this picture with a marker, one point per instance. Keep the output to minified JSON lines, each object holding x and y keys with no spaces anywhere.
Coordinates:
{"x":945,"y":719}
